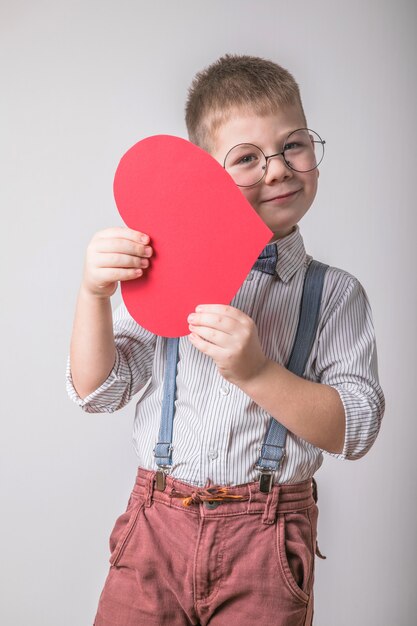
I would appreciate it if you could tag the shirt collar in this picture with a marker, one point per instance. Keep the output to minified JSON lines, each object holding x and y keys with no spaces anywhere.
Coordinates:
{"x":291,"y":254}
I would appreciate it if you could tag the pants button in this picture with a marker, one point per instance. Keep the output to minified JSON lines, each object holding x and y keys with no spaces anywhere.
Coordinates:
{"x":211,"y":504}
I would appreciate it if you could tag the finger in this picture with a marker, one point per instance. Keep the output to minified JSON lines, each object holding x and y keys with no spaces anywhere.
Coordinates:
{"x":113,"y":275}
{"x":220,"y":309}
{"x":123,"y":232}
{"x":124,"y":246}
{"x":214,"y":320}
{"x":211,"y":335}
{"x":115,"y":260}
{"x":210,"y":349}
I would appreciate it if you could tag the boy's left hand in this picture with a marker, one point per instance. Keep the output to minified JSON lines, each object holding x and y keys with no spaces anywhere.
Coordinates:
{"x":230,"y":338}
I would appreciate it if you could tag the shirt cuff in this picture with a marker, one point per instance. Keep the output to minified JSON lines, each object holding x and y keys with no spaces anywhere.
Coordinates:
{"x":363,"y":415}
{"x":108,"y":397}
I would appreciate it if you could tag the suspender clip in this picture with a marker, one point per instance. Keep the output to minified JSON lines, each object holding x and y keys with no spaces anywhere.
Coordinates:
{"x":266,"y":480}
{"x":160,"y":477}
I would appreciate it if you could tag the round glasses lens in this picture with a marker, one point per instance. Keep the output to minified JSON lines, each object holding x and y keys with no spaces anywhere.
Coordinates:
{"x":303,"y":150}
{"x":246,"y":164}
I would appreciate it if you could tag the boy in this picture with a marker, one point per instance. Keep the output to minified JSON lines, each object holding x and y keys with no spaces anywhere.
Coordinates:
{"x":212,"y":541}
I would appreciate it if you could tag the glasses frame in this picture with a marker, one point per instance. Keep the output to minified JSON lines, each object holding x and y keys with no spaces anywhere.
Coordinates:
{"x":277,"y":154}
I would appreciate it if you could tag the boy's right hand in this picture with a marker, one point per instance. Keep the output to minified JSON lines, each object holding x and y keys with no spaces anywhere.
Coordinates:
{"x":114,"y":254}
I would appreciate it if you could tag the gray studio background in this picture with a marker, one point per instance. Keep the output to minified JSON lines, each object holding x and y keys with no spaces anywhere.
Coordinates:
{"x":81,"y":82}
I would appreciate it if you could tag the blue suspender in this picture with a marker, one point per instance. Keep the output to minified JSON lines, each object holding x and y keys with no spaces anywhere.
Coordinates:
{"x":273,"y":448}
{"x":163,"y":449}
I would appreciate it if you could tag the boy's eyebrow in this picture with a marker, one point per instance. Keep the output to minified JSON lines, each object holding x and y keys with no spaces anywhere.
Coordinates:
{"x":278,"y":141}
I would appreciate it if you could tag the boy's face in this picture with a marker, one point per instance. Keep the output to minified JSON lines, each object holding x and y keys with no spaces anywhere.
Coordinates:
{"x":283,"y":196}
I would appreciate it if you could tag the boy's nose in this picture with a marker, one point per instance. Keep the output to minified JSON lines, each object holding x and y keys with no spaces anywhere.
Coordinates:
{"x":277,"y":169}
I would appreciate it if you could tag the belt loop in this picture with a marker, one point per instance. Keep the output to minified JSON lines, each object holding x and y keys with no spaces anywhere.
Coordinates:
{"x":316,"y":497}
{"x":149,"y":489}
{"x":271,"y":506}
{"x":253,"y":504}
{"x":314,"y":490}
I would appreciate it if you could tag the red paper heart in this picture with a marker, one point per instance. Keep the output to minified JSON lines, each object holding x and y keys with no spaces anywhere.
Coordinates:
{"x":204,"y":233}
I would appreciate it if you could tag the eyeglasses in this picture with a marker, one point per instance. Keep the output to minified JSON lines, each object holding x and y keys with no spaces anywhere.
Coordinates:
{"x":303,"y":151}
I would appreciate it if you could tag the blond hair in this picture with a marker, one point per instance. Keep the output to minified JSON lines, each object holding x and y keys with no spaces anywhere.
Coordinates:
{"x":236,"y":82}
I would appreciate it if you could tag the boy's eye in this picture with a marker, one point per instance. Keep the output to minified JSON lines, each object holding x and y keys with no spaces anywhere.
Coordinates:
{"x":293,"y":145}
{"x":246,"y":159}
{"x":242,"y":158}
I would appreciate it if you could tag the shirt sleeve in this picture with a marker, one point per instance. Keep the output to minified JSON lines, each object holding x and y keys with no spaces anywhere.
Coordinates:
{"x":132,"y":369}
{"x":347,"y":361}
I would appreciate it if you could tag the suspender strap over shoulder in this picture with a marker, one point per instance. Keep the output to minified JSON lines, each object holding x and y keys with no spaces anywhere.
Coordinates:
{"x":273,"y":448}
{"x":309,"y":317}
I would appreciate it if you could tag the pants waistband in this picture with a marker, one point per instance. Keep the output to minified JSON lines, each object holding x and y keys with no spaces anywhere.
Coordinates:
{"x":240,"y":499}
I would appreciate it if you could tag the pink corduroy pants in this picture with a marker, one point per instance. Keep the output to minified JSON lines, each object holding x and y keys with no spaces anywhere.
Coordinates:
{"x":245,"y":561}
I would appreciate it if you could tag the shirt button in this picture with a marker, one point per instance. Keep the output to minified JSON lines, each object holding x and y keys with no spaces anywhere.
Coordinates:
{"x":213,"y":454}
{"x":224,"y":391}
{"x":249,"y":276}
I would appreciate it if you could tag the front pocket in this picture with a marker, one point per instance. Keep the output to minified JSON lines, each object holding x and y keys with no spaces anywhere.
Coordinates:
{"x":123,"y":529}
{"x":295,"y":544}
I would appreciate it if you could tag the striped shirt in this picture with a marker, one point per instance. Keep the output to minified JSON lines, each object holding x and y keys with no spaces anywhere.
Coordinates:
{"x":218,"y":429}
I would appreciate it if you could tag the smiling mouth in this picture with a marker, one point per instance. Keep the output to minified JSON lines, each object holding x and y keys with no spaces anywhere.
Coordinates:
{"x":283,"y":196}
